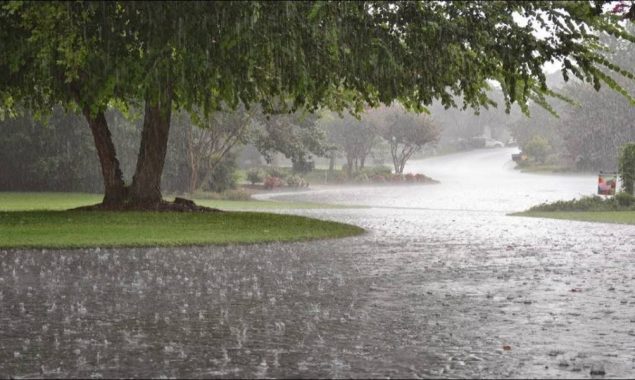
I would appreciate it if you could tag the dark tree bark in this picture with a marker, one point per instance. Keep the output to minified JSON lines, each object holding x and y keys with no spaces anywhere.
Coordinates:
{"x":331,"y":161}
{"x":145,"y":191}
{"x":115,"y":191}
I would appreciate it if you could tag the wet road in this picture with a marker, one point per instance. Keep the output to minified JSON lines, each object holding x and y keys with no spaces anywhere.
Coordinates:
{"x":444,"y":284}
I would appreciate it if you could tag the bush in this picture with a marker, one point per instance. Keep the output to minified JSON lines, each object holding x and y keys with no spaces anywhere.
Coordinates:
{"x":624,"y":199}
{"x":620,"y":202}
{"x":361,"y":178}
{"x":296,"y":181}
{"x":272,"y":182}
{"x":255,"y":176}
{"x":341,"y":176}
{"x":378,"y":178}
{"x":409,"y":177}
{"x":377,"y":170}
{"x":396,"y":177}
{"x":223,"y":176}
{"x":627,"y":167}
{"x":538,"y":148}
{"x":421,"y":178}
{"x":276,"y":172}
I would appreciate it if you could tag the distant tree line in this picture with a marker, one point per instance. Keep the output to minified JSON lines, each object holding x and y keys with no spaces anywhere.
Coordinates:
{"x":57,"y":153}
{"x":589,"y":134}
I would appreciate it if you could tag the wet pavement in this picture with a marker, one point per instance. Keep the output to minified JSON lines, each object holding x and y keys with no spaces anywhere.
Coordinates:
{"x":444,"y":284}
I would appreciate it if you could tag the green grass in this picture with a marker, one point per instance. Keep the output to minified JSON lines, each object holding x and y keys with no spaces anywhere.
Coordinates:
{"x":620,"y":217}
{"x":37,"y":220}
{"x":65,"y":201}
{"x":77,"y":229}
{"x":544,"y":168}
{"x":46,"y":201}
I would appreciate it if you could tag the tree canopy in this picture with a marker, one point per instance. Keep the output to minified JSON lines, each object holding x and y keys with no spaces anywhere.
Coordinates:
{"x":285,"y":55}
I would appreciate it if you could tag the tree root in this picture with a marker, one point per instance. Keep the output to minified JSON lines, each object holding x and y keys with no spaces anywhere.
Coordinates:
{"x":179,"y":205}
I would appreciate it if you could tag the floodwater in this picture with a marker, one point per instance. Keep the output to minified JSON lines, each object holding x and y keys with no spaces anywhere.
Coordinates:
{"x":444,"y":284}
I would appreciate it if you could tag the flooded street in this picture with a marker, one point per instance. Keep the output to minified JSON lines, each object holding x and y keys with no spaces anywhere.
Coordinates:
{"x":443,"y":284}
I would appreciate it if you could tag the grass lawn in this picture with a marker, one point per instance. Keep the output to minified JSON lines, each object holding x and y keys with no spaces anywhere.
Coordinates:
{"x":621,"y":217}
{"x":37,"y":220}
{"x":544,"y":168}
{"x":75,"y":229}
{"x":65,"y":201}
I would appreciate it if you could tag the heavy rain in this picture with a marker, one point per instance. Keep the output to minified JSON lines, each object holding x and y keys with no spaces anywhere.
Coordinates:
{"x":365,"y":190}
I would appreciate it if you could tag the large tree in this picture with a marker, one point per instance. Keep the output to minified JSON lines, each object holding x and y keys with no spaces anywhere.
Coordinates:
{"x":172,"y":55}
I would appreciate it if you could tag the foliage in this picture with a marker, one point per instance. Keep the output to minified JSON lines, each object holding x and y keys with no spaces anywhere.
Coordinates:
{"x":255,"y":175}
{"x":296,"y":181}
{"x":587,"y":135}
{"x":361,"y":178}
{"x":537,"y":148}
{"x":627,"y":167}
{"x":272,"y":182}
{"x":222,"y":177}
{"x":377,"y":170}
{"x":354,"y":137}
{"x":286,"y":56}
{"x":276,"y":172}
{"x":406,"y":132}
{"x":303,"y":167}
{"x":56,"y":154}
{"x":296,"y":135}
{"x":620,"y":202}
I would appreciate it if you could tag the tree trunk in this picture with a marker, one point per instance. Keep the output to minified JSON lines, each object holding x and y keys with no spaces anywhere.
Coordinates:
{"x":146,"y":183}
{"x":349,"y":166}
{"x":332,"y":162}
{"x":114,"y":187}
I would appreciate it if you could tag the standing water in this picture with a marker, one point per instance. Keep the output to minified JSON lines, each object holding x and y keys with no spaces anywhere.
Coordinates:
{"x":444,"y":284}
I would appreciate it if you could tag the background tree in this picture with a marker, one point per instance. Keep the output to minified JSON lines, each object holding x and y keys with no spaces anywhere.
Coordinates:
{"x":296,"y":135}
{"x":406,"y":132}
{"x":538,"y":148}
{"x":588,"y":134}
{"x":87,"y":55}
{"x":355,"y":137}
{"x":209,"y":140}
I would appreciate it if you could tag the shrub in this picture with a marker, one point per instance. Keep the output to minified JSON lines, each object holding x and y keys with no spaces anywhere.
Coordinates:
{"x":409,"y":177}
{"x":377,"y":170}
{"x":624,"y":199}
{"x":378,"y":178}
{"x":223,"y":176}
{"x":421,"y":177}
{"x":296,"y":181}
{"x":255,"y":176}
{"x":627,"y":167}
{"x":620,"y":202}
{"x":341,"y":176}
{"x":276,"y":172}
{"x":396,"y":177}
{"x":361,"y":178}
{"x":272,"y":182}
{"x":538,"y":148}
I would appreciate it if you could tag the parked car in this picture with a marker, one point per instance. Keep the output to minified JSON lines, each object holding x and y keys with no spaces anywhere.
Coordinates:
{"x":491,"y":143}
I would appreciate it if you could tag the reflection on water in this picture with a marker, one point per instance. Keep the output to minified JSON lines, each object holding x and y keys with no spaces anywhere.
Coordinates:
{"x":425,"y":293}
